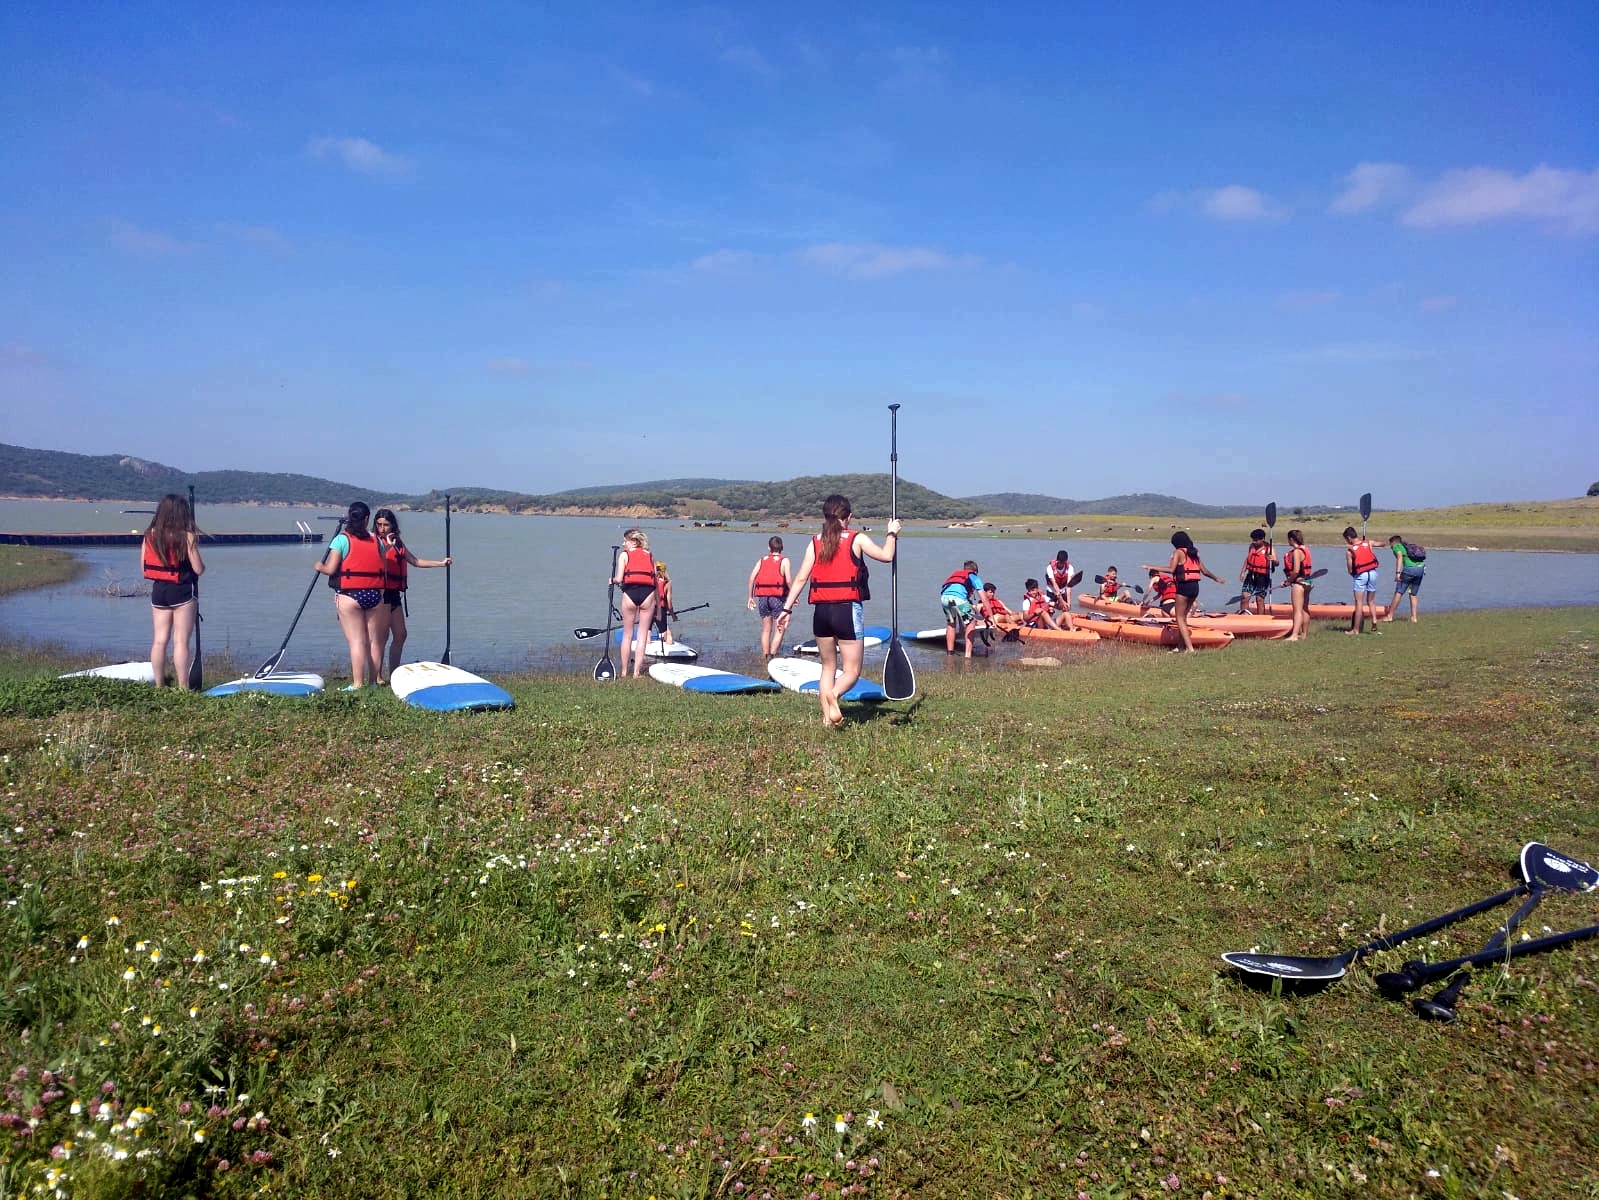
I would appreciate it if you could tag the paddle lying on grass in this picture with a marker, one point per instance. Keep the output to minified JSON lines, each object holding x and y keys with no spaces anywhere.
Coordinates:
{"x":899,"y":680}
{"x":1540,"y":866}
{"x":271,"y":664}
{"x":586,"y":632}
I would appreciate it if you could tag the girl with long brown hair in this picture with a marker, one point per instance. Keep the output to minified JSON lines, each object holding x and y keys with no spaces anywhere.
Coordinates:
{"x":172,"y":563}
{"x":835,"y":567}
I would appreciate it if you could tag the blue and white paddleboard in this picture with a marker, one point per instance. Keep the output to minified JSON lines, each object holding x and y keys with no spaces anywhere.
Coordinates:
{"x":872,"y":635}
{"x":287,"y":683}
{"x":672,"y":651}
{"x":446,"y":689}
{"x":128,"y":672}
{"x":802,"y":675}
{"x":708,"y":679}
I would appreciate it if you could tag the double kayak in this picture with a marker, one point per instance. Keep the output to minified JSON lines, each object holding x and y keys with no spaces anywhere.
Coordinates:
{"x":1152,"y":632}
{"x":1323,"y":612}
{"x":1248,"y":625}
{"x":1006,"y":624}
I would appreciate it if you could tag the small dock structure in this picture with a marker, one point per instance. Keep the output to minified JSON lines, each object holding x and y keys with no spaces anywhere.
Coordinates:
{"x":303,"y":536}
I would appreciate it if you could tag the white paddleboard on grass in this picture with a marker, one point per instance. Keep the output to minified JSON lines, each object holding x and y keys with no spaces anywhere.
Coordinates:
{"x":671,"y":651}
{"x":872,"y":635}
{"x":802,"y":675}
{"x":446,"y":689}
{"x":128,"y":672}
{"x":708,"y":679}
{"x":283,"y":683}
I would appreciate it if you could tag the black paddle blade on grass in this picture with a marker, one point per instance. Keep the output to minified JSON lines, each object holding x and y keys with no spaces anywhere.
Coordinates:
{"x":604,"y":670}
{"x":899,"y":679}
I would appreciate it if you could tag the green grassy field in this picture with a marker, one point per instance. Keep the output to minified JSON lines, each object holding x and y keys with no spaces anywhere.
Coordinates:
{"x":626,"y":941}
{"x":35,"y":566}
{"x":1571,"y":525}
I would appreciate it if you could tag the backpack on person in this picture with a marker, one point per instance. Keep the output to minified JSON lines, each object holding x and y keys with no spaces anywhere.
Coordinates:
{"x":1415,"y":551}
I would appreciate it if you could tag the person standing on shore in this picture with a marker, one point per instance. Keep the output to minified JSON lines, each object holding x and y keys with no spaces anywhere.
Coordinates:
{"x":1186,"y":569}
{"x":1360,"y":560}
{"x":634,"y":573}
{"x":835,"y":567}
{"x":1296,"y":572}
{"x":171,"y":554}
{"x":665,"y":614}
{"x":397,"y":558}
{"x":1408,"y":572}
{"x":354,"y":567}
{"x":1255,"y":574}
{"x":768,"y":584}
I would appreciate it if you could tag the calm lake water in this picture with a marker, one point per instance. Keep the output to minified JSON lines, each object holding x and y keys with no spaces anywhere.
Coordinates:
{"x":521,"y":584}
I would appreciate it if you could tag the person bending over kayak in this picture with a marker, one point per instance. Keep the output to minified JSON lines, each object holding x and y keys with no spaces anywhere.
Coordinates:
{"x":961,"y":614}
{"x":1407,"y":577}
{"x":1058,"y":585}
{"x":1162,"y":591}
{"x":834,"y":565}
{"x":1255,"y":575}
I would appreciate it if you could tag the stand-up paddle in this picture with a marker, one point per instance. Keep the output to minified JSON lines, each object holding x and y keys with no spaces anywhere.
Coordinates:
{"x":899,"y":680}
{"x":196,"y":675}
{"x":605,"y":669}
{"x":1365,"y":514}
{"x":271,"y":664}
{"x":586,"y":632}
{"x":445,"y":657}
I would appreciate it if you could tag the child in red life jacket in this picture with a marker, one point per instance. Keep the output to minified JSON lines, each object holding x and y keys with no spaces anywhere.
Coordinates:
{"x":1162,"y":591}
{"x":1037,"y":609}
{"x":1255,"y":575}
{"x":1110,"y":587}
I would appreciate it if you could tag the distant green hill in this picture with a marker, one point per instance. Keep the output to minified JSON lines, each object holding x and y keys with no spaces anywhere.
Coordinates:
{"x":1137,"y":504}
{"x":675,"y":487}
{"x":56,"y":473}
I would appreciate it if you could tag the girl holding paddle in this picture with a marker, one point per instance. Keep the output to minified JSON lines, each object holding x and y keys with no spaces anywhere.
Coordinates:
{"x":397,"y":557}
{"x":835,"y":568}
{"x":634,"y":573}
{"x":1186,"y":569}
{"x":354,"y":567}
{"x":172,"y":565}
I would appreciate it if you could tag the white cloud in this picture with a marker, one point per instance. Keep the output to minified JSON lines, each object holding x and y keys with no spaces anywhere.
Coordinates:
{"x":1565,"y":201}
{"x":1231,"y":203}
{"x":1438,"y":304}
{"x":145,"y":243}
{"x":263,"y":237}
{"x":748,"y":58}
{"x":724,"y":262}
{"x":869,"y":260}
{"x":1372,"y":184}
{"x":360,"y":156}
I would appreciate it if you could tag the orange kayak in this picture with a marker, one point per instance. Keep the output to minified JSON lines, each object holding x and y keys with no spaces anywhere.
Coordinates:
{"x":1323,"y":612}
{"x":1157,"y":631}
{"x":1055,"y":637}
{"x":1238,"y":624}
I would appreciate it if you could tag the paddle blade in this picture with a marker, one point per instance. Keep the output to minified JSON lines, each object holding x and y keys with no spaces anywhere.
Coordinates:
{"x":1365,"y":507}
{"x":1232,"y":600}
{"x":604,"y":670}
{"x":196,"y":679}
{"x":899,"y":680}
{"x":270,"y":665}
{"x":586,"y":633}
{"x":1271,"y":515}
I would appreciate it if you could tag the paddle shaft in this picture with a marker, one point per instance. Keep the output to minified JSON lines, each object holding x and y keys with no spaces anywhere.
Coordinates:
{"x":445,"y":657}
{"x":605,"y":670}
{"x":899,"y":678}
{"x":1389,"y":941}
{"x":271,"y":664}
{"x":196,"y":674}
{"x":1444,"y":1001}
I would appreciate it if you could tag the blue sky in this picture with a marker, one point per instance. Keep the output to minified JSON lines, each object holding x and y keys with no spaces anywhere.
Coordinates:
{"x":1230,"y":252}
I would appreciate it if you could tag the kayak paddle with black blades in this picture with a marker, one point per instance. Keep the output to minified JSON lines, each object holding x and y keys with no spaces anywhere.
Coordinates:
{"x":899,"y":680}
{"x":605,"y":669}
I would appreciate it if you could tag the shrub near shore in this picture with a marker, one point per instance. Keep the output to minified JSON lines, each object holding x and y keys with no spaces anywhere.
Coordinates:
{"x":627,"y":941}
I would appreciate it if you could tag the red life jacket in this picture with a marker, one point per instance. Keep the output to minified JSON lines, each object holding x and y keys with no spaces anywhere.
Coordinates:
{"x":155,"y":568}
{"x":769,"y":576}
{"x":839,"y":579}
{"x":962,"y":577}
{"x":1258,"y":560}
{"x":997,"y":605}
{"x":395,"y":566}
{"x":1303,"y":560}
{"x":639,"y":568}
{"x":1190,"y":567}
{"x":362,"y":565}
{"x":1164,"y":586}
{"x":1056,"y":574}
{"x":1365,"y":558}
{"x":1110,"y":589}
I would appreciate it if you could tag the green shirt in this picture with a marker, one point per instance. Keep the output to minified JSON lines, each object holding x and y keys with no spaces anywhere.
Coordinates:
{"x":1406,"y":564}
